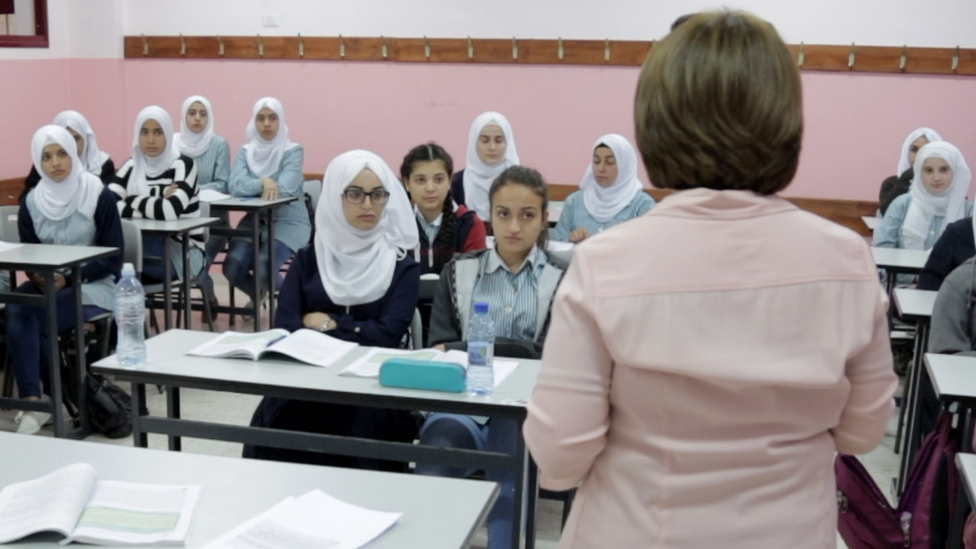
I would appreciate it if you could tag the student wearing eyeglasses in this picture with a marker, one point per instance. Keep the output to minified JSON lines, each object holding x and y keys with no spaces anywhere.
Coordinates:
{"x":269,"y":166}
{"x":357,"y":282}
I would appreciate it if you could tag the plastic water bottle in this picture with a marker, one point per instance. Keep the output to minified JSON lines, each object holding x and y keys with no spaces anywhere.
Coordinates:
{"x":480,"y":379}
{"x":130,"y":316}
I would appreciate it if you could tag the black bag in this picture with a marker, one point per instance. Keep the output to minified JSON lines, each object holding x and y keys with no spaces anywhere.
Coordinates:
{"x":109,"y":407}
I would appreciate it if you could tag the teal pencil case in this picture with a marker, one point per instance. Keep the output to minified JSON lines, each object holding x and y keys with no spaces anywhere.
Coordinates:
{"x":422,"y":374}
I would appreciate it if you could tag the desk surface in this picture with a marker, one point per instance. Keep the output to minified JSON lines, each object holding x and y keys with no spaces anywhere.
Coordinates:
{"x":915,"y":304}
{"x":872,"y":221}
{"x":168,"y":364}
{"x":437,"y":512}
{"x":903,"y":260}
{"x":953,"y":376}
{"x":175,"y":226}
{"x":50,"y":256}
{"x":967,"y":470}
{"x":249,"y":203}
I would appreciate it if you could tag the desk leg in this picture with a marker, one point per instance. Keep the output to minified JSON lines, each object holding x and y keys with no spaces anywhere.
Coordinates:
{"x":82,"y":372}
{"x":962,"y":502}
{"x":256,"y":242}
{"x":908,"y":406}
{"x":139,"y":409}
{"x":187,"y":315}
{"x":54,"y":355}
{"x":173,"y":412}
{"x":271,"y":268}
{"x":913,"y":428}
{"x":519,"y":529}
{"x":167,"y":284}
{"x":531,"y":497}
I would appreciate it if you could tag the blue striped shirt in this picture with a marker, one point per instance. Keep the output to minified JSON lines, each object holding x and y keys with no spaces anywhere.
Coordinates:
{"x":575,"y":215}
{"x":213,"y":166}
{"x":513,"y":298}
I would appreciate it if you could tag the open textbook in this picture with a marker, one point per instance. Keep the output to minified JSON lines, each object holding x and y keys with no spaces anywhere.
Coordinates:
{"x":307,"y":346}
{"x":369,"y":364}
{"x":312,"y":521}
{"x":74,"y":503}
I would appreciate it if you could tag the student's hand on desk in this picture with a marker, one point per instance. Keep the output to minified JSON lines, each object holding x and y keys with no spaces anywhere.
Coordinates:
{"x":171,"y":190}
{"x":441,"y":347}
{"x":315,"y":321}
{"x":579,"y":235}
{"x":270,"y":191}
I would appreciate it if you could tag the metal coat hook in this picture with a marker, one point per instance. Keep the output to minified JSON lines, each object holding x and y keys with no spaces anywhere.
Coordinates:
{"x":904,"y":58}
{"x":260,"y":46}
{"x":514,"y":48}
{"x":470,"y":49}
{"x":801,"y":57}
{"x":955,"y":60}
{"x":342,"y":47}
{"x":301,"y":45}
{"x":426,"y":48}
{"x":851,"y":57}
{"x":560,"y":51}
{"x":383,"y":38}
{"x":145,"y":45}
{"x":606,"y":50}
{"x":182,"y":46}
{"x":220,"y":42}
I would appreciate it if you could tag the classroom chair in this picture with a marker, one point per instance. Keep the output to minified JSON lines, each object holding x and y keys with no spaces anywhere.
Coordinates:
{"x":416,"y":331}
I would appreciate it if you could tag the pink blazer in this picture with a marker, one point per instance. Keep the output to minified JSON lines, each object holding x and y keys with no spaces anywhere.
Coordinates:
{"x":703,"y":365}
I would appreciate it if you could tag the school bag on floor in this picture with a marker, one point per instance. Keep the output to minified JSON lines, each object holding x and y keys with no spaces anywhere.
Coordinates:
{"x":924,"y":514}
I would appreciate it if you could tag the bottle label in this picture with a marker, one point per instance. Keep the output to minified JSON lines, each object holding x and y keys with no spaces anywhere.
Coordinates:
{"x":479,"y":353}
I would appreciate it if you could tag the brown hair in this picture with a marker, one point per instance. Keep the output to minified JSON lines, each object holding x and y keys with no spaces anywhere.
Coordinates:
{"x":719,"y":105}
{"x":532,"y":179}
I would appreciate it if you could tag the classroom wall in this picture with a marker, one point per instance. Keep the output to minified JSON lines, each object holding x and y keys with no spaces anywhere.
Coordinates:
{"x":854,"y":122}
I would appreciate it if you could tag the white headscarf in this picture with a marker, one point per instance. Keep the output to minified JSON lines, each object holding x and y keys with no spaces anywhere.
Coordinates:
{"x":479,"y":176}
{"x":190,"y":143}
{"x":928,"y":133}
{"x":76,"y":193}
{"x":263,"y":156}
{"x":92,"y":159}
{"x":951,"y":203}
{"x":357,"y":266}
{"x":144,"y":166}
{"x":604,"y":203}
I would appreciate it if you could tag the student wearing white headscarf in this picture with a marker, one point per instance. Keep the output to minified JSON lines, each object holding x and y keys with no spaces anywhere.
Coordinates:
{"x":898,"y":184}
{"x":356,"y":282}
{"x":211,"y":155}
{"x":268,"y":166}
{"x":491,"y":149}
{"x":609,"y":194}
{"x":93,"y":159}
{"x":69,"y":207}
{"x":937,"y":198}
{"x":159,"y":183}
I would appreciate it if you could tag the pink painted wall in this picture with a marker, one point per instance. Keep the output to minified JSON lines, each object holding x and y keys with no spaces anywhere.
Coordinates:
{"x":854,"y":123}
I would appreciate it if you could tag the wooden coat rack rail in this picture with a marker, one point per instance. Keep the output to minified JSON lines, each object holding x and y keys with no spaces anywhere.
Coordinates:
{"x":853,"y":58}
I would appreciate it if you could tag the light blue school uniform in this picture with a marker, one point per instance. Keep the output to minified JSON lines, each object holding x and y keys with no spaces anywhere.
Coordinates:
{"x":890,"y":233}
{"x":575,"y":215}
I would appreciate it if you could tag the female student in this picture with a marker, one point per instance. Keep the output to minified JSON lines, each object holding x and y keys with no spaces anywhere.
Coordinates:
{"x":699,"y":360}
{"x":952,"y":249}
{"x":358,"y":283}
{"x":898,"y":184}
{"x":69,"y":207}
{"x":159,"y":183}
{"x":211,"y":155}
{"x":92,"y":159}
{"x":937,"y":198}
{"x":491,"y":149}
{"x":446,"y":228}
{"x":269,"y":165}
{"x":518,"y":282}
{"x":609,"y":194}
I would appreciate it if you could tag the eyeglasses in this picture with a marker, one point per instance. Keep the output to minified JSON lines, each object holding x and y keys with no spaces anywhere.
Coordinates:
{"x":357,"y":196}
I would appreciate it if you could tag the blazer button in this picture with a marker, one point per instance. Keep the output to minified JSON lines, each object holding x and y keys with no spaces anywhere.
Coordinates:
{"x":357,"y":329}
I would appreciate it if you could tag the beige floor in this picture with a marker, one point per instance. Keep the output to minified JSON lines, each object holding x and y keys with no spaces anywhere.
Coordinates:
{"x":236,"y":409}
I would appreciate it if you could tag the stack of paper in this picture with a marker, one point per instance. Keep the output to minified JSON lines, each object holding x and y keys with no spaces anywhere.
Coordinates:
{"x":369,"y":364}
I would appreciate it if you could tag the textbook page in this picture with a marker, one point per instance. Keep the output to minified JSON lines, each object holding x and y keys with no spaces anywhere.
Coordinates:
{"x":502,"y":368}
{"x":312,"y":521}
{"x":369,"y":364}
{"x":123,"y":513}
{"x":239,"y":344}
{"x":51,"y":503}
{"x":210,"y":195}
{"x":313,"y":347}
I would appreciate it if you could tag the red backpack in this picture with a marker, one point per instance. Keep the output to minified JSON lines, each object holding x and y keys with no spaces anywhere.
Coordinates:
{"x":923,"y":516}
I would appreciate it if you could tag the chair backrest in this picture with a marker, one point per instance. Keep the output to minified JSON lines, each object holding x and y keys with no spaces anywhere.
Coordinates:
{"x":313,"y":188}
{"x":417,"y":331}
{"x":8,"y":224}
{"x":133,"y":244}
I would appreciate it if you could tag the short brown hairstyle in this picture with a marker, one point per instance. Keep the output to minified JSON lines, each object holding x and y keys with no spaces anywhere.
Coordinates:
{"x":719,"y":105}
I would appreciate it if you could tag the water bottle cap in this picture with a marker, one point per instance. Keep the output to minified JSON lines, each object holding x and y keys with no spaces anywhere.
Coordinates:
{"x":480,"y":307}
{"x":128,"y":269}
